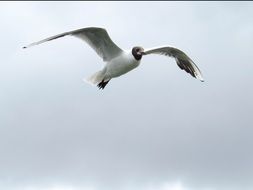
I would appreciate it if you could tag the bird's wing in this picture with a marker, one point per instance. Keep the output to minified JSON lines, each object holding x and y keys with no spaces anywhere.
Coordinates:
{"x":97,"y":38}
{"x":182,"y":60}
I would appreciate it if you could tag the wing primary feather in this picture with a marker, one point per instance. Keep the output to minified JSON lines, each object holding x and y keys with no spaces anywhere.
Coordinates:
{"x":182,"y":60}
{"x":47,"y":39}
{"x":97,"y":38}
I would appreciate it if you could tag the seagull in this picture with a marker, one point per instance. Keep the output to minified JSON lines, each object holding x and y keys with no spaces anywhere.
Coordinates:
{"x":118,"y":61}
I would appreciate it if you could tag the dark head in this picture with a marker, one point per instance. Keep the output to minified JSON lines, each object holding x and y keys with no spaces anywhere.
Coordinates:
{"x":137,"y":52}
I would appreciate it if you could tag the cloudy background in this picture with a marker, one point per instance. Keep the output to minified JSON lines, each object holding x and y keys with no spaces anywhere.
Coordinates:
{"x":156,"y":128}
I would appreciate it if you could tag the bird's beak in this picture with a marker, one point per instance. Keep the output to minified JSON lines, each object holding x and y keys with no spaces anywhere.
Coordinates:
{"x":142,"y":52}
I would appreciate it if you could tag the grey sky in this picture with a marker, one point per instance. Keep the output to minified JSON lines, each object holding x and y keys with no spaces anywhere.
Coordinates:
{"x":156,"y":128}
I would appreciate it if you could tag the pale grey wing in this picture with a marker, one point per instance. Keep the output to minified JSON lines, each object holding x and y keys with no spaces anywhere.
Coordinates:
{"x":182,"y":60}
{"x":97,"y":38}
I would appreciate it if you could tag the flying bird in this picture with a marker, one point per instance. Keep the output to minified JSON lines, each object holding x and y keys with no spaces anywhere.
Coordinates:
{"x":118,"y":61}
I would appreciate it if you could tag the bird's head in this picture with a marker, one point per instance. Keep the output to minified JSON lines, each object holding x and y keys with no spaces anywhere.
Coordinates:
{"x":137,"y":52}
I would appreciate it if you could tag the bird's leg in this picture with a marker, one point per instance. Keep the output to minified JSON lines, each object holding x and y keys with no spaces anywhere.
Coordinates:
{"x":102,"y":84}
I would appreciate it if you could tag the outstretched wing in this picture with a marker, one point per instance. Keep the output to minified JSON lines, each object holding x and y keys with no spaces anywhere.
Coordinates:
{"x":97,"y":38}
{"x":182,"y":60}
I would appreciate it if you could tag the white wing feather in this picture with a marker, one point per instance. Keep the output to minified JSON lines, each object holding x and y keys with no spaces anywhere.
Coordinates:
{"x":97,"y":38}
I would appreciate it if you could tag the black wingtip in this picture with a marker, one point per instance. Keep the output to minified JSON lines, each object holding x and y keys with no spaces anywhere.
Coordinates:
{"x":202,"y":80}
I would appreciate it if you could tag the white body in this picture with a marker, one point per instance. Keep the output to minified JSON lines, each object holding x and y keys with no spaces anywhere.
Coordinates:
{"x":116,"y":67}
{"x":120,"y":65}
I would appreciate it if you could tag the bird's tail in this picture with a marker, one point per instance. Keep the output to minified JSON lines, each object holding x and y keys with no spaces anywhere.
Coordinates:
{"x":98,"y":79}
{"x":95,"y":78}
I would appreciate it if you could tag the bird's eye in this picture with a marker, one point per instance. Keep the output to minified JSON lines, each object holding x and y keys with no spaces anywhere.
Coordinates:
{"x":137,"y":49}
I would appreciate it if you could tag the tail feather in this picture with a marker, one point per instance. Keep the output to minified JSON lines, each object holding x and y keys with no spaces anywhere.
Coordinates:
{"x":98,"y":79}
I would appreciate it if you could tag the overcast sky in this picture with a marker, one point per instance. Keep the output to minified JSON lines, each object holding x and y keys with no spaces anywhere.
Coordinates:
{"x":156,"y":128}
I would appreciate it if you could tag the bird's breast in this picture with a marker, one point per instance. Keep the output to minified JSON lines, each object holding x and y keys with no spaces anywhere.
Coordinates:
{"x":121,"y":65}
